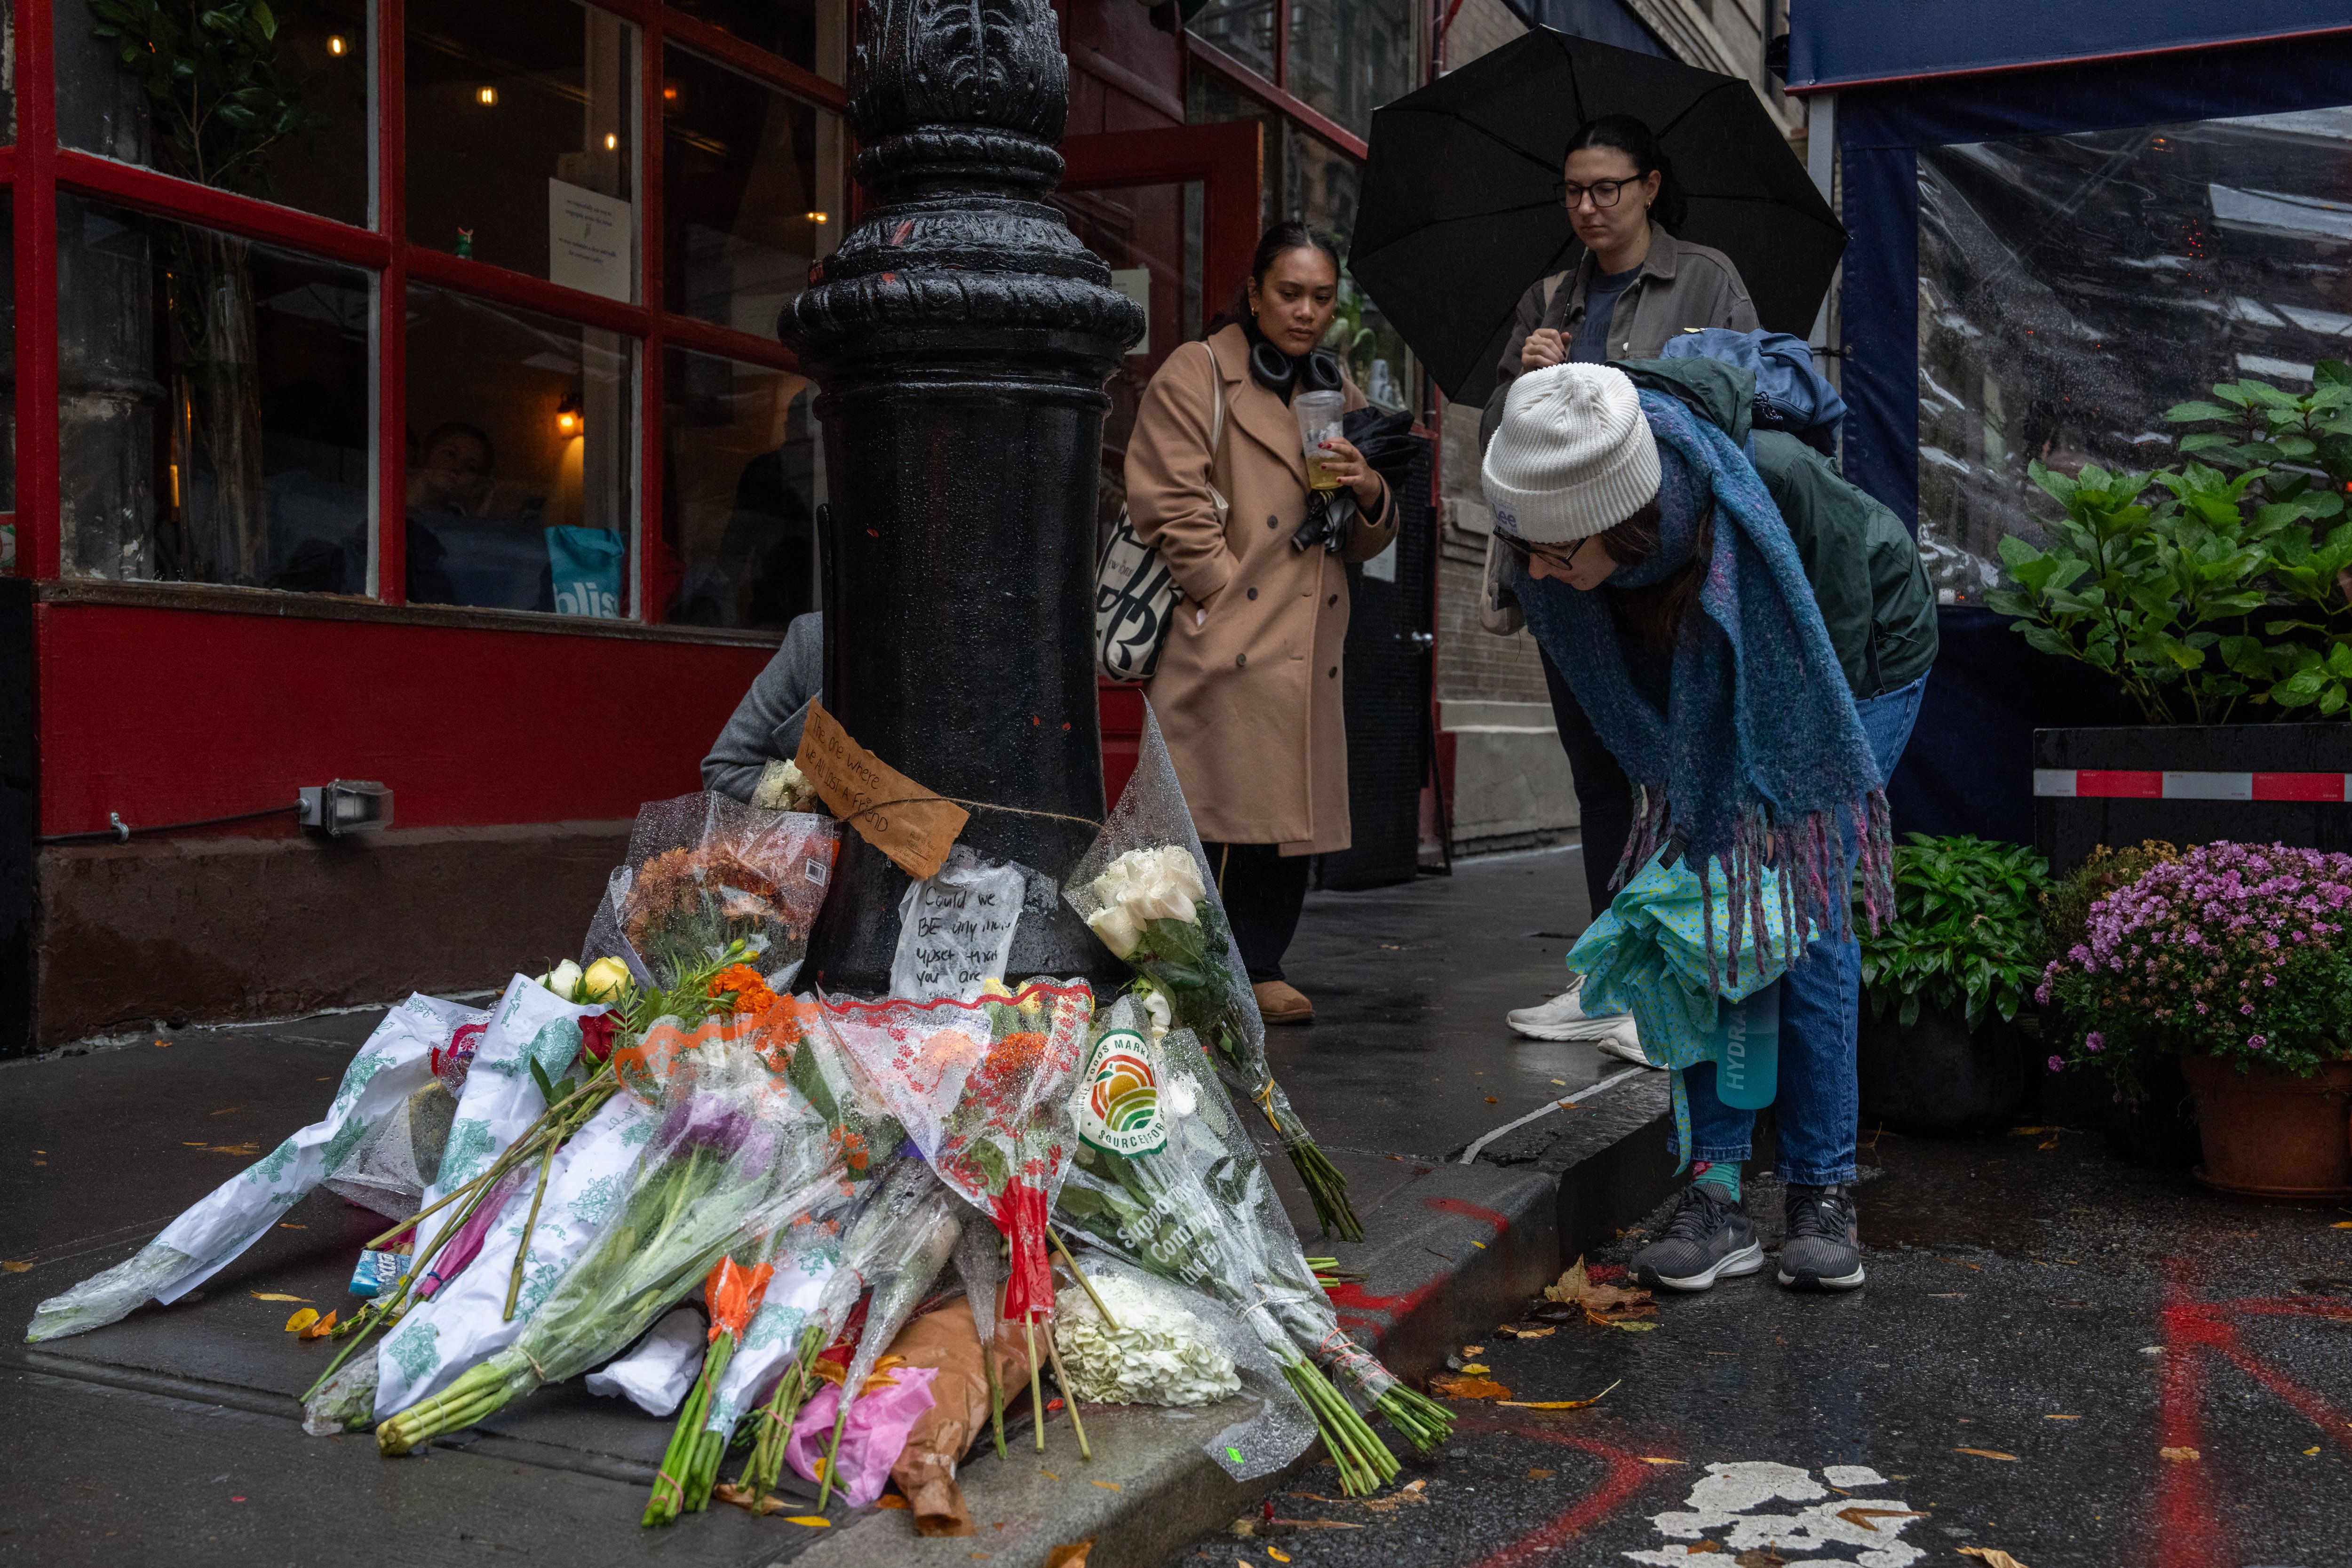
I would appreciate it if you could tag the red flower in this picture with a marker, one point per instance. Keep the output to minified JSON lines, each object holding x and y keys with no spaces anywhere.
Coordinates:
{"x":596,"y":1036}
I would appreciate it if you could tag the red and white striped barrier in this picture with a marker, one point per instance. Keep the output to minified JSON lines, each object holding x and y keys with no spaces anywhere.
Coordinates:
{"x":2137,"y":784}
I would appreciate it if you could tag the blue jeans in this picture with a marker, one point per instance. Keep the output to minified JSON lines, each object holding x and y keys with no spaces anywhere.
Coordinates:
{"x":1818,"y":1100}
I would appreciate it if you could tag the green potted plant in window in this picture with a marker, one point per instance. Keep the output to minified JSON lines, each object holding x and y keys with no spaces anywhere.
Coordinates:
{"x":217,"y":103}
{"x":2234,"y":961}
{"x":1939,"y":1049}
{"x":2214,"y":593}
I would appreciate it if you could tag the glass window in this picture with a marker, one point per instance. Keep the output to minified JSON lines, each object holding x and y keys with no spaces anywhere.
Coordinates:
{"x":1350,"y":56}
{"x":213,"y":403}
{"x":521,"y":139}
{"x":1242,"y":28}
{"x":751,"y":193}
{"x":303,"y":130}
{"x":7,"y":390}
{"x":2073,"y":288}
{"x":811,"y":34}
{"x":519,"y":471}
{"x":741,"y":482}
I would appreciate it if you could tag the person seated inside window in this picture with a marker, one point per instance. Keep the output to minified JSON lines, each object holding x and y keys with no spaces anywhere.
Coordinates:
{"x":452,"y":473}
{"x":458,"y":554}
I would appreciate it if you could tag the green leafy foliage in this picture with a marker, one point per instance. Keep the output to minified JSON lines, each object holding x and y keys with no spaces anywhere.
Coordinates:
{"x":210,"y":70}
{"x":1966,"y":932}
{"x":2217,"y":589}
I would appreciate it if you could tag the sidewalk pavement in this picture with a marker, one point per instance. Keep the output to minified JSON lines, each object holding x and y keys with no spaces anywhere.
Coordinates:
{"x":176,"y":1432}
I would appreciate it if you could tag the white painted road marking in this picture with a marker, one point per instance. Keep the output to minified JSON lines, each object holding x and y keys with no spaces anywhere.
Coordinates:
{"x":1570,"y":1102}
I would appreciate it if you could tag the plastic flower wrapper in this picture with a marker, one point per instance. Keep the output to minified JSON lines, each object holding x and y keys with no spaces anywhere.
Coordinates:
{"x":1148,"y":892}
{"x":1198,"y":1209}
{"x":658,"y":1369}
{"x":689,"y":1468}
{"x":735,"y":1153}
{"x":464,"y":1322}
{"x":1157,"y":1351}
{"x":704,"y":871}
{"x":983,"y":1089}
{"x":395,"y":1063}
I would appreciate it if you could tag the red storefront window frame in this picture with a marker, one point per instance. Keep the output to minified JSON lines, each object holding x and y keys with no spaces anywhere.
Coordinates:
{"x":36,"y":169}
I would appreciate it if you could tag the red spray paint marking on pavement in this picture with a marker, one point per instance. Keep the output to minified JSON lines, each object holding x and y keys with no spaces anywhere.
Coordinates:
{"x":1495,"y":1222}
{"x":1623,"y":1478}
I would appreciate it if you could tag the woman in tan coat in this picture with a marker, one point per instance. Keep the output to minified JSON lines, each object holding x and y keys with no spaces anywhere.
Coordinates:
{"x":1247,"y":689}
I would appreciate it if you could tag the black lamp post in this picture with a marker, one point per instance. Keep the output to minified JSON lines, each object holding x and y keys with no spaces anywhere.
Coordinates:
{"x":961,"y":336}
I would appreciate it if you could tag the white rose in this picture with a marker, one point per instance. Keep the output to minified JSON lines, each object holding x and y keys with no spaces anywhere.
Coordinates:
{"x":1155,"y":1004}
{"x":1117,"y":929}
{"x":563,"y":979}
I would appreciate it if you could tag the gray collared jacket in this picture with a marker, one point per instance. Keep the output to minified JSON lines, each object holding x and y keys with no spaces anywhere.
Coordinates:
{"x":766,"y":726}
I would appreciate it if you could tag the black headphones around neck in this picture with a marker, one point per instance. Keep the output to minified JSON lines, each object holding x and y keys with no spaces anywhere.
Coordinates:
{"x":1315,"y":371}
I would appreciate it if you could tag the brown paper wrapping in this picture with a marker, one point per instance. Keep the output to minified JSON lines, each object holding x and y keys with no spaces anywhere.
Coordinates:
{"x":926,"y":1468}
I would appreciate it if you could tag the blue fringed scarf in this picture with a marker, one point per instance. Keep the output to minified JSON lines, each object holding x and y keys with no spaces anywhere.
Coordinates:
{"x":1760,"y":749}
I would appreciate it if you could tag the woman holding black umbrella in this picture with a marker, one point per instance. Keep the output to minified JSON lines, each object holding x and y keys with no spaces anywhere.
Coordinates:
{"x":1636,"y":287}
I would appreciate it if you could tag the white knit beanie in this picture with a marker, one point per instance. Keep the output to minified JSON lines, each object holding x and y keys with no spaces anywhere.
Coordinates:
{"x":1573,"y":456}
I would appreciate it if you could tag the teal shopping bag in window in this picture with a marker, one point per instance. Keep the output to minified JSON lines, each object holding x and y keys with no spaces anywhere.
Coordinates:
{"x":585,"y":566}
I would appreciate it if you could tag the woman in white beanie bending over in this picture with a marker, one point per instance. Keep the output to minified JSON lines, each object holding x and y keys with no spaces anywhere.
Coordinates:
{"x":1659,"y":574}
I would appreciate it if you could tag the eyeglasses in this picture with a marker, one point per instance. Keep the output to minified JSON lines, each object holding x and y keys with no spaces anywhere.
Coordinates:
{"x":1604,"y":193}
{"x":1558,"y":563}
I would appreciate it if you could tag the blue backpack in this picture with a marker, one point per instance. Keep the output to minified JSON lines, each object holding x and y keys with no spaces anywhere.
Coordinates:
{"x":1791,"y":395}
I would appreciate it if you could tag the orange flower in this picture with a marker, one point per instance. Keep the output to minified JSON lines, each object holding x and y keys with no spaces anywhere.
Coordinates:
{"x":751,"y":993}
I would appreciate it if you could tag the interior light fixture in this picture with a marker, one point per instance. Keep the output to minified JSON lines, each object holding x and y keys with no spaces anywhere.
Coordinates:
{"x":819,"y":217}
{"x":669,"y":92}
{"x":567,"y":416}
{"x":486,"y":96}
{"x":337,"y":43}
{"x":612,"y":141}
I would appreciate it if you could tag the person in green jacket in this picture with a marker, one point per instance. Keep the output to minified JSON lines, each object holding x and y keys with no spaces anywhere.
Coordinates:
{"x":1697,"y":627}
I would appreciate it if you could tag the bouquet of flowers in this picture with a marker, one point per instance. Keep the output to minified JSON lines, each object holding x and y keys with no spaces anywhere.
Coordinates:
{"x":395,"y":1062}
{"x":690,"y":1467}
{"x":2233,"y":951}
{"x":1188,"y":1201}
{"x":736,"y":1153}
{"x":1144,"y":887}
{"x":705,"y":873}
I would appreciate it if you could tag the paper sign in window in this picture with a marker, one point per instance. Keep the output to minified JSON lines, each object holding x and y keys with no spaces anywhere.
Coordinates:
{"x":588,"y":240}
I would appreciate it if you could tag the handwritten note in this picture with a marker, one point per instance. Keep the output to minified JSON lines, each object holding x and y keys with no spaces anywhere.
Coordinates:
{"x":890,"y":810}
{"x":955,"y":930}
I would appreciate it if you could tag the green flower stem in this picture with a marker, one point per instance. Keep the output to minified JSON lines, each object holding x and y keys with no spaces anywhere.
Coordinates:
{"x":1036,"y":1386}
{"x":1088,"y":1285}
{"x":680,"y":1485}
{"x":1069,"y":1400}
{"x":766,"y":1465}
{"x":529,"y":1225}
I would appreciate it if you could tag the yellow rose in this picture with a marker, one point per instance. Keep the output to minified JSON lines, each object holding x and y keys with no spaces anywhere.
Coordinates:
{"x":605,"y":979}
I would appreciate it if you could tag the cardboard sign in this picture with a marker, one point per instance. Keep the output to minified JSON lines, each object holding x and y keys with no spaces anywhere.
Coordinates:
{"x":955,"y":930}
{"x":890,"y":810}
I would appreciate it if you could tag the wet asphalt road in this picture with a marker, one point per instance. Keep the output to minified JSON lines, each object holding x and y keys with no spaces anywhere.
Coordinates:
{"x":2070,"y":1316}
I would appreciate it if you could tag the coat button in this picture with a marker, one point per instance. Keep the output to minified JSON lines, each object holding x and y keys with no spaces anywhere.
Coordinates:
{"x":1334,"y":599}
{"x":1335,"y":672}
{"x":1240,"y":659}
{"x":1253,"y":593}
{"x":1273,"y":521}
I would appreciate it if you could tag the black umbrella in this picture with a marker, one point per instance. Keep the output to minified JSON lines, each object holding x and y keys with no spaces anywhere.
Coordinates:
{"x":1460,"y":211}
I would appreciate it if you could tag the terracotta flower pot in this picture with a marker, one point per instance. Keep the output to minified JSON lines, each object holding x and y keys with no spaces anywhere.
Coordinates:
{"x":2267,"y":1134}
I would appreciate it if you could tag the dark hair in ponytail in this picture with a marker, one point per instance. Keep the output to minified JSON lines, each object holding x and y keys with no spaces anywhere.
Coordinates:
{"x":1272,"y":245}
{"x":1626,"y":134}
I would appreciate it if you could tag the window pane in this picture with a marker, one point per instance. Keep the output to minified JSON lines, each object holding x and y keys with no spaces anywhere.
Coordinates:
{"x":1350,"y":56}
{"x":1320,"y":188}
{"x":521,"y":139}
{"x":751,"y":193}
{"x":744,"y":478}
{"x":7,"y":391}
{"x":519,"y":471}
{"x":1242,"y":28}
{"x":811,"y":34}
{"x":2073,"y":288}
{"x":306,"y":143}
{"x":212,"y":407}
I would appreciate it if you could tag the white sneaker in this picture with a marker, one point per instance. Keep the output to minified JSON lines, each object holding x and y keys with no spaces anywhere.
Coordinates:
{"x":1564,"y":1018}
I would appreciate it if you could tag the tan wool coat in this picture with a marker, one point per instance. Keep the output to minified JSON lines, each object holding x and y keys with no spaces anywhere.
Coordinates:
{"x":1249,"y":701}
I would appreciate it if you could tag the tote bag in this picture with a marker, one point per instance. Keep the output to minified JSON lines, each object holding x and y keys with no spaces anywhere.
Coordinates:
{"x":1135,"y":593}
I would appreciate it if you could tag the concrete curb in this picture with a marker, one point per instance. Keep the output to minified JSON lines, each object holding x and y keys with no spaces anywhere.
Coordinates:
{"x":1451,"y":1253}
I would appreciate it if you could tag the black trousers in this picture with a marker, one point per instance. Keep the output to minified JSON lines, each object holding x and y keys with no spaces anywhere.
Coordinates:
{"x":1264,"y":890}
{"x":1604,"y":799}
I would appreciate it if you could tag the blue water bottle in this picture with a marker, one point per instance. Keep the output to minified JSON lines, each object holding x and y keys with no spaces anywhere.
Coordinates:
{"x":1747,"y":1050}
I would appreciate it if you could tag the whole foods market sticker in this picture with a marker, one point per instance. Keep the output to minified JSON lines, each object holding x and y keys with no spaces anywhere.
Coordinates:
{"x":1120,"y":1110}
{"x":901,"y":818}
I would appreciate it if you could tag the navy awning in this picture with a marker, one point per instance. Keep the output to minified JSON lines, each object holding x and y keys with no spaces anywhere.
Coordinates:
{"x":1846,"y":43}
{"x":1602,"y":21}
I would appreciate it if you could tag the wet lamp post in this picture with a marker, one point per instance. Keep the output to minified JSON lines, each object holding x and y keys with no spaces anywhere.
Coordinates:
{"x":961,"y":336}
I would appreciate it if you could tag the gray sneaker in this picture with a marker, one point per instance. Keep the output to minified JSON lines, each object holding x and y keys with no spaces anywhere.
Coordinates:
{"x":1708,"y":1239}
{"x":1823,"y":1249}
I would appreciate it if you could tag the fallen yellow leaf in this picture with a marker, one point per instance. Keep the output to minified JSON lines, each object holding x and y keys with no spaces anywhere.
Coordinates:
{"x":813,"y":1520}
{"x":1049,"y":1475}
{"x":1989,"y":1454}
{"x":1474,"y":1349}
{"x":1277,"y":1554}
{"x":1479,"y":1244}
{"x":2341,"y":1224}
{"x":2181,"y":1456}
{"x":14,"y":1267}
{"x":1510,"y":1332}
{"x":1863,"y":1516}
{"x":741,"y":1498}
{"x":1992,"y":1557}
{"x":891,"y":1499}
{"x":1537,"y":1474}
{"x":302,"y":1319}
{"x":1630,"y":1327}
{"x":2308,"y":1452}
{"x":320,"y":1329}
{"x":1107,"y":1486}
{"x":275,"y":1296}
{"x":2061,"y":1418}
{"x":1073,"y":1555}
{"x":1467,"y":1388}
{"x":1478,"y":1369}
{"x":1560,"y":1404}
{"x":1649,"y":1460}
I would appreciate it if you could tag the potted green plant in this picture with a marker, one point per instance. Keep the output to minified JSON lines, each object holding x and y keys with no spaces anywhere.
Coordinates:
{"x":2153,"y":1125}
{"x":2213,"y":592}
{"x":1939,"y":1050}
{"x":2232,"y":960}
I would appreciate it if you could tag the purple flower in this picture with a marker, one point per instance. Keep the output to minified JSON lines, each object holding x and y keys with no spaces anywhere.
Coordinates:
{"x":2095,"y":1042}
{"x":2057,"y":1064}
{"x":2256,"y":1042}
{"x":707,"y":1120}
{"x":2246,"y":1009}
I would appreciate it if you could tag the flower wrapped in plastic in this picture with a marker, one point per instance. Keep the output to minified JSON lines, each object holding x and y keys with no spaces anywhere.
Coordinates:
{"x":706,"y":872}
{"x":1189,"y":1201}
{"x":689,"y":1468}
{"x":1147,"y":891}
{"x":736,"y":1153}
{"x":392,"y":1067}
